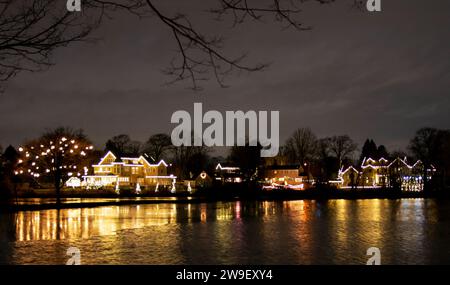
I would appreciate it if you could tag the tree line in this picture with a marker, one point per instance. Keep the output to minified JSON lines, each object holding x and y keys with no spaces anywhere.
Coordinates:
{"x":59,"y":153}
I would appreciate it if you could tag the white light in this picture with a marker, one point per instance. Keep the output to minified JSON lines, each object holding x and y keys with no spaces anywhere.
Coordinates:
{"x":20,"y":149}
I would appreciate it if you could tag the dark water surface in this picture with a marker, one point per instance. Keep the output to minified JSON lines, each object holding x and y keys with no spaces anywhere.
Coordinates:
{"x":407,"y":231}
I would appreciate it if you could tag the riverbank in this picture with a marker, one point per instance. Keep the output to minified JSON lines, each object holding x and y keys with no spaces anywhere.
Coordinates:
{"x":43,"y":200}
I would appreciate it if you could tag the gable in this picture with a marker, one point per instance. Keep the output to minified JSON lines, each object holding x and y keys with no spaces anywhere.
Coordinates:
{"x":108,"y":158}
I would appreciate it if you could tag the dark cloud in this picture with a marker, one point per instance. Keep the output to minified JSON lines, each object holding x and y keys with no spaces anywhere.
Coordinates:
{"x":377,"y":75}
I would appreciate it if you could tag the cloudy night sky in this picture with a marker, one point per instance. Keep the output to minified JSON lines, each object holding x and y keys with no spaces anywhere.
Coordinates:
{"x":378,"y":75}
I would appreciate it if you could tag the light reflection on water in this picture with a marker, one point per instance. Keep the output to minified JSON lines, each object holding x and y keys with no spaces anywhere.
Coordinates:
{"x":408,"y":231}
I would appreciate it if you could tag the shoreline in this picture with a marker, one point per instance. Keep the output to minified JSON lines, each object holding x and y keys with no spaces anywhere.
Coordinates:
{"x":319,"y":195}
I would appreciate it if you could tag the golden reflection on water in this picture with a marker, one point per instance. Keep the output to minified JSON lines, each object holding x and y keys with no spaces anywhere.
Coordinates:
{"x":245,"y":232}
{"x":345,"y":217}
{"x":88,"y":222}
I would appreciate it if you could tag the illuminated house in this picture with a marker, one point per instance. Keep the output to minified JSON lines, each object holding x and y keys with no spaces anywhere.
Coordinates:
{"x":349,"y":177}
{"x":408,"y":177}
{"x":286,"y":176}
{"x":382,"y":173}
{"x":128,"y":171}
{"x":374,"y":172}
{"x":228,"y":174}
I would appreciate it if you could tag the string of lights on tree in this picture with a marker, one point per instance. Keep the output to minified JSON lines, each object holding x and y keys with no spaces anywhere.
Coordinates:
{"x":46,"y":155}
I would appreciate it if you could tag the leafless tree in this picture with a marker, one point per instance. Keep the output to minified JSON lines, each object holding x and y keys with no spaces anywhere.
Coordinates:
{"x":189,"y":160}
{"x":122,"y":145}
{"x":341,"y":147}
{"x":157,"y":146}
{"x":301,"y":147}
{"x":31,"y":30}
{"x":428,"y":145}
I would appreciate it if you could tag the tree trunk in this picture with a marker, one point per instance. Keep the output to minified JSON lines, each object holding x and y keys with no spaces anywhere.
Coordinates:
{"x":57,"y":183}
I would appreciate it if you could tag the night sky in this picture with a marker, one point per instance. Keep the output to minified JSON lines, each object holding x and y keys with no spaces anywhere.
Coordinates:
{"x":378,"y":75}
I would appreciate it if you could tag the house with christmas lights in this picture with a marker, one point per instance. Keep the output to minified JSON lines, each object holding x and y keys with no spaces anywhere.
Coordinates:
{"x":374,"y":172}
{"x":383,"y":173}
{"x":113,"y":171}
{"x":228,"y":174}
{"x":285,"y":176}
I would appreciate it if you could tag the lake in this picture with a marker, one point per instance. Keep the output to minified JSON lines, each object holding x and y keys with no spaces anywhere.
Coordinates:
{"x":407,"y":231}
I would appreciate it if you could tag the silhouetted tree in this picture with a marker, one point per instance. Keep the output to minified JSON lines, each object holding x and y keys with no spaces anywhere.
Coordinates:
{"x":425,"y":146}
{"x":301,"y":147}
{"x":31,"y":30}
{"x":157,"y":146}
{"x":327,"y":164}
{"x":369,"y":149}
{"x":122,"y":145}
{"x":189,"y":160}
{"x":247,"y":158}
{"x":444,"y":165}
{"x":8,"y":163}
{"x":57,"y":154}
{"x":432,"y":147}
{"x":341,"y":147}
{"x":382,"y":152}
{"x":398,"y":154}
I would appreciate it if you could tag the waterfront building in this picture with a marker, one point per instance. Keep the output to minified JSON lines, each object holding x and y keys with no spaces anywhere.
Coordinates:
{"x":382,"y":173}
{"x":228,"y":174}
{"x":286,"y":176}
{"x":112,"y":171}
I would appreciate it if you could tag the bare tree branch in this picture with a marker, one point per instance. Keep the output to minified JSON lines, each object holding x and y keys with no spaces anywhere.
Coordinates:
{"x":31,"y":30}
